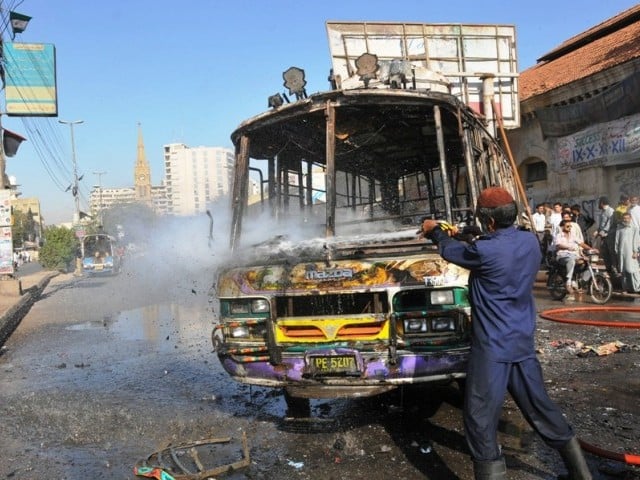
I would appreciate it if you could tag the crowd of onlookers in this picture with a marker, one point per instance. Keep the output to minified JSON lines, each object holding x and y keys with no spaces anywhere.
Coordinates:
{"x":563,"y":231}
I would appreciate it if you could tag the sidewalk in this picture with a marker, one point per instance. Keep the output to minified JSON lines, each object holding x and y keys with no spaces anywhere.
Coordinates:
{"x":14,"y":307}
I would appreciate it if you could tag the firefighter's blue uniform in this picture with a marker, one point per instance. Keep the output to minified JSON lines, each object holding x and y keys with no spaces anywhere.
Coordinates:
{"x":503,"y":266}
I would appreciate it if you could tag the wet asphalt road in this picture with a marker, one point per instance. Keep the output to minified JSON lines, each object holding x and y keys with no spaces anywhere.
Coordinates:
{"x":104,"y":371}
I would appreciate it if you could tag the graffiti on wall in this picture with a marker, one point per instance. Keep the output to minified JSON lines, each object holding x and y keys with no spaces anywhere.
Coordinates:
{"x":611,"y":143}
{"x":589,"y":208}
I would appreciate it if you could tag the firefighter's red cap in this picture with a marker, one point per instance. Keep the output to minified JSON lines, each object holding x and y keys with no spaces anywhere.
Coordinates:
{"x":493,"y":197}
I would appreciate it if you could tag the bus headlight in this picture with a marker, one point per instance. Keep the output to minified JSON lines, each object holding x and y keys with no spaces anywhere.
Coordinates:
{"x":441,"y":297}
{"x":259,"y":305}
{"x":415,"y":325}
{"x":443,"y":324}
{"x":240,"y":332}
{"x":248,"y":306}
{"x":238,"y":307}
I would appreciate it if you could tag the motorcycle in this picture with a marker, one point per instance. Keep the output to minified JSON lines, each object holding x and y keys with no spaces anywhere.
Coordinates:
{"x":588,"y":276}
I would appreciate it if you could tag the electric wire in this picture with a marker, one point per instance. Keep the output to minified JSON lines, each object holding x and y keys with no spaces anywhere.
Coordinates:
{"x":45,"y":139}
{"x":6,"y":23}
{"x":42,"y":148}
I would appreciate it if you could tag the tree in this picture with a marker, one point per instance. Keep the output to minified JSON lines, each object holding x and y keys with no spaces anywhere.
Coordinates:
{"x":30,"y":227}
{"x":18,"y":229}
{"x":23,"y":228}
{"x":60,"y":249}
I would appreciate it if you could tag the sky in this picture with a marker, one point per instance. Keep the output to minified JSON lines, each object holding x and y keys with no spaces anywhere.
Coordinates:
{"x":192,"y":71}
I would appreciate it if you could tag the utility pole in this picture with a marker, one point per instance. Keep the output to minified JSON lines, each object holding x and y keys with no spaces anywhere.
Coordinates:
{"x":76,"y":192}
{"x":3,"y":160}
{"x":99,"y":174}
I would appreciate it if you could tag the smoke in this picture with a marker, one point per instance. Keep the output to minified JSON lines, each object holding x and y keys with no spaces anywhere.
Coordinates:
{"x":173,"y":253}
{"x":303,"y":234}
{"x":187,"y":252}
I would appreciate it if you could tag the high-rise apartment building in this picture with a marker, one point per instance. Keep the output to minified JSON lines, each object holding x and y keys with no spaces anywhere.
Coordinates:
{"x":195,"y":177}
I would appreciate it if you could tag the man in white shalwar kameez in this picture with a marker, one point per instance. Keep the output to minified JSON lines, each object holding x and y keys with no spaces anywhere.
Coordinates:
{"x":627,"y":248}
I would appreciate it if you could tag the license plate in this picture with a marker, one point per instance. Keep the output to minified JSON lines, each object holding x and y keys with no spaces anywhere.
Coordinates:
{"x":99,"y":267}
{"x":333,"y":364}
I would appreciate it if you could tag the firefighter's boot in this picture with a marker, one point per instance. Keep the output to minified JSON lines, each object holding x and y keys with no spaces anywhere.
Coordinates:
{"x":490,"y":470}
{"x":573,"y":459}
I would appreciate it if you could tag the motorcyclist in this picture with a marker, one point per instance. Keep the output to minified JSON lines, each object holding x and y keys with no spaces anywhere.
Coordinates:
{"x":567,"y":245}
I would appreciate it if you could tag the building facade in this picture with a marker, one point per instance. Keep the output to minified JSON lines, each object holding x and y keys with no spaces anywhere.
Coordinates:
{"x":580,"y":106}
{"x":196,"y":177}
{"x":102,"y":198}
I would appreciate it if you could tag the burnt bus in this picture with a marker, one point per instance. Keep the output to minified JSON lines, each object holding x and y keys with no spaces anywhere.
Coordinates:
{"x":345,"y":299}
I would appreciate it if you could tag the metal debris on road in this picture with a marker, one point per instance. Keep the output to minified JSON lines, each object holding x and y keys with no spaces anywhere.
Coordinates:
{"x":187,"y":462}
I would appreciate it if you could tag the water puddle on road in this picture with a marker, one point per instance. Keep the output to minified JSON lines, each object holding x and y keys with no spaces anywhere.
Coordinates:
{"x":154,"y":323}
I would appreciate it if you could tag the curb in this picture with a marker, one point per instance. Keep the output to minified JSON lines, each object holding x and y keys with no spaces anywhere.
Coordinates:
{"x":10,"y":320}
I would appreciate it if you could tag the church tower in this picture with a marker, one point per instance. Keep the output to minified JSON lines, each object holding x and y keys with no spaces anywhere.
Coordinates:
{"x":142,"y":181}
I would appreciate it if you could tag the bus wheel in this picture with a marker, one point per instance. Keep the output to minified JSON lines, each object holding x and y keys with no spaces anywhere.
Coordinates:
{"x":297,"y":407}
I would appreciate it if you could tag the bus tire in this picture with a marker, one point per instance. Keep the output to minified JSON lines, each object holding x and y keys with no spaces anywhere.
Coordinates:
{"x":297,"y":407}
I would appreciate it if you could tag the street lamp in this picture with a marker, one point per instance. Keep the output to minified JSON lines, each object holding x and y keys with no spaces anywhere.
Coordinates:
{"x":76,"y":215}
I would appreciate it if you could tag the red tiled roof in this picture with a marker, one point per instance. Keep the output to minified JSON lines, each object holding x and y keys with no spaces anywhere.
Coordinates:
{"x":610,"y":43}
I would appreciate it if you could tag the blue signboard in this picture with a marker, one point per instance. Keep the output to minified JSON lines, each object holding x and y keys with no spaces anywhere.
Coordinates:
{"x":30,"y":79}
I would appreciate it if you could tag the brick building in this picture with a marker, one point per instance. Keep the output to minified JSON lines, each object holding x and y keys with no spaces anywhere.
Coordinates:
{"x":580,"y":108}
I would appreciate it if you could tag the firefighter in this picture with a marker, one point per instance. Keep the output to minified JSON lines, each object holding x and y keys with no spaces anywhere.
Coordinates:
{"x":503,"y":265}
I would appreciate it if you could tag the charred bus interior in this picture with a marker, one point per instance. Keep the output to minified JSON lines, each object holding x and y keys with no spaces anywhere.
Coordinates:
{"x":340,"y":161}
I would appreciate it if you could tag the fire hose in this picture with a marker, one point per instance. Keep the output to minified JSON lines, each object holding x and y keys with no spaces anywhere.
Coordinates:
{"x":556,"y":315}
{"x":559,"y":315}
